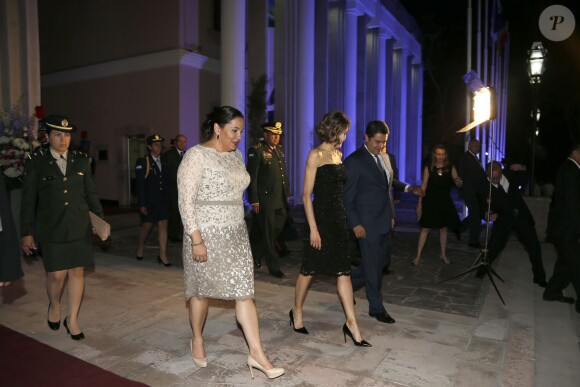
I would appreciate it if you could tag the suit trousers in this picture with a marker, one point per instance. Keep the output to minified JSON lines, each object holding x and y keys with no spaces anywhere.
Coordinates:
{"x":527,"y":236}
{"x":271,"y":222}
{"x":474,"y":218}
{"x":375,"y":251}
{"x":566,"y":268}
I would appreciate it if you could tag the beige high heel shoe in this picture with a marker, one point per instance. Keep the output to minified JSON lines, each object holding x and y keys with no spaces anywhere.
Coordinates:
{"x":271,"y":373}
{"x":201,"y":363}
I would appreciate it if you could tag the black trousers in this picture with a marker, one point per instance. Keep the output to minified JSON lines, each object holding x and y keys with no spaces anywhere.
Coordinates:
{"x":473,"y":220}
{"x":566,"y":268}
{"x":270,"y":223}
{"x":526,"y":234}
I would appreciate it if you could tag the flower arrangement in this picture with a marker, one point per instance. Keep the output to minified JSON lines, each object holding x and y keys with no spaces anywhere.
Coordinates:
{"x":17,"y":139}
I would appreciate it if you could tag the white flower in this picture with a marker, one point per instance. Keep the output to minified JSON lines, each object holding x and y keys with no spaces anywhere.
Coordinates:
{"x":12,"y":172}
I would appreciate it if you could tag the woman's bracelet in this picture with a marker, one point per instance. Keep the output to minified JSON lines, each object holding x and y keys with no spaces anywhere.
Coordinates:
{"x":197,"y":243}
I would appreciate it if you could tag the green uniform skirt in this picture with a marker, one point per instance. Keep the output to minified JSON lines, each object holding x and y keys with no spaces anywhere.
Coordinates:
{"x":67,"y":255}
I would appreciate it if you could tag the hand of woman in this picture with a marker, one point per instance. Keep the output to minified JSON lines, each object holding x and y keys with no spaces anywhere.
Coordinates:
{"x":199,"y":253}
{"x":315,"y":240}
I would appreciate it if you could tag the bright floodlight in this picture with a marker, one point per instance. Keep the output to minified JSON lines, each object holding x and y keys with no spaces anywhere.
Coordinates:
{"x":481,"y":105}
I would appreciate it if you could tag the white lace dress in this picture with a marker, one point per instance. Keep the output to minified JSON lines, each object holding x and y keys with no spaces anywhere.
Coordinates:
{"x":210,"y":188}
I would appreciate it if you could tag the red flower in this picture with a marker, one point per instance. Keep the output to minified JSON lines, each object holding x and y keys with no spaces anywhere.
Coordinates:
{"x":39,"y":112}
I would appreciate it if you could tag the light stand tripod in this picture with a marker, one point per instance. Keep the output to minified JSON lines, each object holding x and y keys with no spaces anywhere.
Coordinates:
{"x":481,"y":263}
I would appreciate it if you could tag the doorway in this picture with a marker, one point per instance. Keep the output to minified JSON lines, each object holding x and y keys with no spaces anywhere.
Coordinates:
{"x":136,"y":148}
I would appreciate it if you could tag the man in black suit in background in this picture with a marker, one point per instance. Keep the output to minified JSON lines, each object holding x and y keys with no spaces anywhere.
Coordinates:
{"x":173,"y":158}
{"x":564,"y":230}
{"x":472,"y":174}
{"x":510,"y":212}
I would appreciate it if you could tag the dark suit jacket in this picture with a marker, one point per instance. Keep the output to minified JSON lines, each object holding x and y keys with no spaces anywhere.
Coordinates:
{"x":506,"y":204}
{"x":152,"y":184}
{"x":62,"y":202}
{"x":564,"y":215}
{"x":172,"y":159}
{"x":269,"y":183}
{"x":471,"y":172}
{"x":367,"y":195}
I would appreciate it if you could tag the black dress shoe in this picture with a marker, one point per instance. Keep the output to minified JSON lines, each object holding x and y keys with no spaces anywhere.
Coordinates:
{"x":76,"y":337}
{"x":277,"y":274}
{"x":541,"y":283}
{"x":285,"y":253}
{"x":302,"y":330}
{"x":139,"y":258}
{"x":257,"y":264}
{"x":562,"y":298}
{"x":347,"y":332}
{"x":383,"y":317}
{"x":52,"y":325}
{"x":159,"y":261}
{"x":480,"y":273}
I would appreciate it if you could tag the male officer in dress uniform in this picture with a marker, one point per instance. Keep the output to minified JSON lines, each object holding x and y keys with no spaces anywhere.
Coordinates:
{"x":173,"y":158}
{"x":268,"y":194}
{"x":153,"y":197}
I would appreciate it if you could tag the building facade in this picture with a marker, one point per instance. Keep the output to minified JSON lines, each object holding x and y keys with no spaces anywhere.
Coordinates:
{"x":122,"y":70}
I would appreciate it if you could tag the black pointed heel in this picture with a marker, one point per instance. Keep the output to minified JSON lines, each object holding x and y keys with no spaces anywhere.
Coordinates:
{"x":139,"y":258}
{"x":361,"y":343}
{"x":76,"y":337}
{"x":169,"y":264}
{"x":55,"y":326}
{"x":298,"y":330}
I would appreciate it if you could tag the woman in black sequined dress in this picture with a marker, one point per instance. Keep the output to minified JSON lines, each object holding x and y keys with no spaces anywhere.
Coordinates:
{"x":326,"y":249}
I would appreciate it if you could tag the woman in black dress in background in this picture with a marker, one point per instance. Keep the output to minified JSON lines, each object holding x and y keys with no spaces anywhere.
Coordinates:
{"x":326,"y":251}
{"x":438,"y":210}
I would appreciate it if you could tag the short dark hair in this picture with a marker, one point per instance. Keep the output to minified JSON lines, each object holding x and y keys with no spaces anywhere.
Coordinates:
{"x":374,"y":127}
{"x":575,"y":147}
{"x":332,"y":125}
{"x":220,"y":115}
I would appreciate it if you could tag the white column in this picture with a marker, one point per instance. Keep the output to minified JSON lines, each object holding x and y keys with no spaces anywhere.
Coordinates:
{"x":381,"y":76}
{"x":233,"y":52}
{"x":305,"y":93}
{"x":19,"y":55}
{"x":414,"y":132}
{"x":350,"y":75}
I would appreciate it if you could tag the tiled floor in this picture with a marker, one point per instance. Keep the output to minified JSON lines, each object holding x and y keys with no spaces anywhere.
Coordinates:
{"x":135,"y":320}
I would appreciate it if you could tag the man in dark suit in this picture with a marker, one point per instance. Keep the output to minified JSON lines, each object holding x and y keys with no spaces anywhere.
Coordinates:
{"x":173,"y":158}
{"x":153,"y":197}
{"x":268,"y":194}
{"x":510,"y":212}
{"x":472,"y":174}
{"x":370,"y":213}
{"x":564,"y":230}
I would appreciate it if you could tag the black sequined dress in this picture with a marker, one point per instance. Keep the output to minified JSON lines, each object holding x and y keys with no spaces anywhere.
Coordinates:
{"x":330,"y":218}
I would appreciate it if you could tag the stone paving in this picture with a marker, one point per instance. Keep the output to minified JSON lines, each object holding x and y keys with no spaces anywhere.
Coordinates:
{"x":135,"y":320}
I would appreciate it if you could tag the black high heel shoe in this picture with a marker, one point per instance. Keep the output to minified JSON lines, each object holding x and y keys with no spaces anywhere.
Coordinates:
{"x":76,"y":337}
{"x":55,"y":326}
{"x":139,"y":258}
{"x":361,"y":343}
{"x":169,"y":264}
{"x":298,"y":330}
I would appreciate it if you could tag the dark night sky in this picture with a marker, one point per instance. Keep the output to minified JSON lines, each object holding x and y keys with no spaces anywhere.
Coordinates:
{"x":443,"y":26}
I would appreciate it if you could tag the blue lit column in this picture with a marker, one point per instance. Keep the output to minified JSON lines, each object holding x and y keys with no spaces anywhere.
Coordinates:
{"x":381,"y":76}
{"x":304,"y":128}
{"x":414,"y":132}
{"x":233,"y":61}
{"x":350,"y":58}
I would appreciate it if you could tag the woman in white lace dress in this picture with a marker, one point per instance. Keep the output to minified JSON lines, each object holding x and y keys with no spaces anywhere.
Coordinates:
{"x":217,"y":258}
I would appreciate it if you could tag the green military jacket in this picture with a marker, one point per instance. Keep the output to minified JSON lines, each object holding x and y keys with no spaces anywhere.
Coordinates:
{"x":55,"y":207}
{"x":269,"y":183}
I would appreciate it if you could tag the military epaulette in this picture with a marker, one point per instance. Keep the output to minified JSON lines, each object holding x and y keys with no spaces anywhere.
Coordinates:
{"x":79,"y":152}
{"x":258,"y":145}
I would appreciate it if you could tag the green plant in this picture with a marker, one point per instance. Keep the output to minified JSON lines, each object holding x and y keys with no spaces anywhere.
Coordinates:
{"x":256,"y":109}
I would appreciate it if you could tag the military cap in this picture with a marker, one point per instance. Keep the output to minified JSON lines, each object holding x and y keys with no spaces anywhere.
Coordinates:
{"x":59,"y":123}
{"x":154,"y":138}
{"x":274,"y":127}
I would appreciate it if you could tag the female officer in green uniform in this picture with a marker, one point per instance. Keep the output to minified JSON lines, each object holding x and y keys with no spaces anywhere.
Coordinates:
{"x":57,"y":196}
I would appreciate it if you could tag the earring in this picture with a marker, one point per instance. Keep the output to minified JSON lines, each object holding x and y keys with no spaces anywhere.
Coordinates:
{"x":218,"y":136}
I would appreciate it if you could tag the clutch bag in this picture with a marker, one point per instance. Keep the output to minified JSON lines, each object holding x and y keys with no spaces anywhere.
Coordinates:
{"x":102,"y":228}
